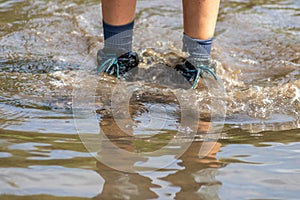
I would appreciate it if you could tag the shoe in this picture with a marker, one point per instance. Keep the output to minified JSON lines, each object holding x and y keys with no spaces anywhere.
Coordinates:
{"x":116,"y":63}
{"x":192,"y":73}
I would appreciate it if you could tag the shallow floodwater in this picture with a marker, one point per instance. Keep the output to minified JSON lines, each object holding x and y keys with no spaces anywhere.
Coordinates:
{"x":44,"y":46}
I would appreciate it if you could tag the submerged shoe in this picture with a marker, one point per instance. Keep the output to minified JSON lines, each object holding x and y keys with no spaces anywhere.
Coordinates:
{"x":116,"y":63}
{"x":192,"y":73}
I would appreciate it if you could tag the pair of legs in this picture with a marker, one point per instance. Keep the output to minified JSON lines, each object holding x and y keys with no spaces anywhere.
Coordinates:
{"x":200,"y":16}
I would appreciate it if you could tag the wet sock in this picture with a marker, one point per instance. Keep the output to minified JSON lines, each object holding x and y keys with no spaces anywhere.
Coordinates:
{"x":197,"y":48}
{"x":119,"y":37}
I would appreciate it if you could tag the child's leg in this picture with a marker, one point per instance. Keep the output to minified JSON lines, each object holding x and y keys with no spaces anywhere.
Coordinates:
{"x":117,"y":58}
{"x":118,"y":12}
{"x":118,"y":21}
{"x":200,"y":17}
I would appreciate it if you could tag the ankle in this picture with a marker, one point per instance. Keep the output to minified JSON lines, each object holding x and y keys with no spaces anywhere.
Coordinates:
{"x":119,"y":37}
{"x":196,"y":47}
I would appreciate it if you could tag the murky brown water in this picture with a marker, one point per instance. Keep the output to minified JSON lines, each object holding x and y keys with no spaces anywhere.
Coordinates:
{"x":42,"y":47}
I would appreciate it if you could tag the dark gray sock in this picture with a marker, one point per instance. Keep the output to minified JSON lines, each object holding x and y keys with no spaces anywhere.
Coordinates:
{"x":197,"y":48}
{"x":119,"y":37}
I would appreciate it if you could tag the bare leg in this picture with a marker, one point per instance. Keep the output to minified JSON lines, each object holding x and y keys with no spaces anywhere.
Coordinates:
{"x":200,"y":17}
{"x":118,"y":12}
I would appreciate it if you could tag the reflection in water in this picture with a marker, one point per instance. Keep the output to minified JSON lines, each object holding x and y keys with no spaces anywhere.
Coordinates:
{"x":197,"y":180}
{"x":189,"y":177}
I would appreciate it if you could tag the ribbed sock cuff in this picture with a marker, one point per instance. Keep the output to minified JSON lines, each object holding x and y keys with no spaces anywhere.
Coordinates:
{"x":119,"y":37}
{"x":197,"y":48}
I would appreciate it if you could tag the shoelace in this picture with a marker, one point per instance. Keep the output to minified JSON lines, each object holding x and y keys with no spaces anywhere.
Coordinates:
{"x":110,"y":62}
{"x":201,"y":69}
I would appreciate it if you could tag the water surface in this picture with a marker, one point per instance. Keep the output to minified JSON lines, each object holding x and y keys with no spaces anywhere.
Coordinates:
{"x":42,"y":46}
